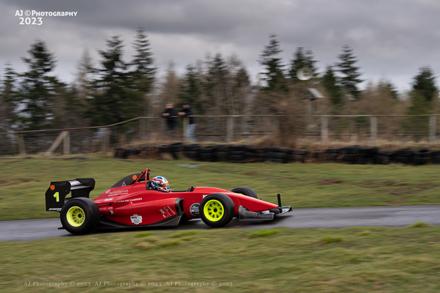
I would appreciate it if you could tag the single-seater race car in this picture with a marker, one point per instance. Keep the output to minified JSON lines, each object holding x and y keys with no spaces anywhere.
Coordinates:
{"x":134,"y":202}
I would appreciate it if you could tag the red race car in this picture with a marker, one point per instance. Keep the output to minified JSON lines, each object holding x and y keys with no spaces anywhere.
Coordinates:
{"x":135,"y":201}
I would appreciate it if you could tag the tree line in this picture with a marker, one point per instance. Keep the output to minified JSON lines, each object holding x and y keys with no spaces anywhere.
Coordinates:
{"x":116,"y":90}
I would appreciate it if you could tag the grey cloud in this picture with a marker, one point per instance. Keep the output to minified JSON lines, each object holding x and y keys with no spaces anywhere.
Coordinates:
{"x":391,"y":38}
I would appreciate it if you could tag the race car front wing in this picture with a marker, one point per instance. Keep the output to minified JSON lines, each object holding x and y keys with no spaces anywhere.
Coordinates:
{"x":245,"y":214}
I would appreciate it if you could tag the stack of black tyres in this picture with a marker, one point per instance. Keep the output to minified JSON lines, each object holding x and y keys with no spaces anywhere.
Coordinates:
{"x":384,"y":158}
{"x":175,"y":149}
{"x":367,"y":155}
{"x":236,"y":153}
{"x":277,"y":155}
{"x":301,"y":155}
{"x":317,"y":156}
{"x":191,"y":151}
{"x":404,"y":156}
{"x":422,"y":157}
{"x":291,"y":155}
{"x":331,"y":155}
{"x":223,"y":153}
{"x":134,"y":151}
{"x":120,"y":153}
{"x":436,"y":157}
{"x":350,"y":154}
{"x":208,"y":154}
{"x":251,"y":154}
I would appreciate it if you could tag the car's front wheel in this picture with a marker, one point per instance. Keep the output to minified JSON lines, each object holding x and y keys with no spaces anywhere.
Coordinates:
{"x":245,"y":191}
{"x":217,"y":210}
{"x":80,"y":215}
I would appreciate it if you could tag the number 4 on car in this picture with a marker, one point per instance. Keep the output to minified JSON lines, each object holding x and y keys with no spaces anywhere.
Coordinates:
{"x":140,"y":201}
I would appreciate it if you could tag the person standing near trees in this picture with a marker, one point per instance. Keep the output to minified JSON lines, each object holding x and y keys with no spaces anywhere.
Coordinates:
{"x":187,"y":110}
{"x":170,"y":114}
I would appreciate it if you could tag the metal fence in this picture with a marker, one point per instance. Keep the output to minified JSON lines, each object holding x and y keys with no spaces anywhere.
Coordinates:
{"x":223,"y":129}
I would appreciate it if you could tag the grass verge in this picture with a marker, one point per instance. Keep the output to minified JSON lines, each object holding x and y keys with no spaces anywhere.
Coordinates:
{"x":358,"y":259}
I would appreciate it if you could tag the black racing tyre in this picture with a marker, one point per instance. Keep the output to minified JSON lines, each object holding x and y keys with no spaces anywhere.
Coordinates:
{"x":276,"y":155}
{"x":80,"y":215}
{"x":245,"y":191}
{"x":205,"y":157}
{"x":236,"y":153}
{"x":217,"y":210}
{"x":236,"y":157}
{"x":275,"y":160}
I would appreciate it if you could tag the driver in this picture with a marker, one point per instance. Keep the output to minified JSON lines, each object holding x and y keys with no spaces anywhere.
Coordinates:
{"x":160,"y":183}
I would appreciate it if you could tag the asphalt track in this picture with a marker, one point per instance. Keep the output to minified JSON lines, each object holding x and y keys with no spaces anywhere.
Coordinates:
{"x":397,"y":216}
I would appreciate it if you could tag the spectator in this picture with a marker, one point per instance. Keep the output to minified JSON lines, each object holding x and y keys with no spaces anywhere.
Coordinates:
{"x":171,"y":123}
{"x":188,"y":111}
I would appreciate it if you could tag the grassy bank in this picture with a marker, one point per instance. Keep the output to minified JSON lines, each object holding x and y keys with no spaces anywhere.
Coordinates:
{"x":367,"y":259}
{"x":23,"y":181}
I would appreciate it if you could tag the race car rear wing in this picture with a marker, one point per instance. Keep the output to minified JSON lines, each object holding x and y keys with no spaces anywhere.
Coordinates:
{"x":57,"y":192}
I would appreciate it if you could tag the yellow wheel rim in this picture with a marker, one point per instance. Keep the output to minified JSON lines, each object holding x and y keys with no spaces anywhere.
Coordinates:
{"x":75,"y":216}
{"x":213,"y":210}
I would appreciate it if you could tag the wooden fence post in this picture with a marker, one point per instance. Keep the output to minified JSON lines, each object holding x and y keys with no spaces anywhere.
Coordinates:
{"x":185,"y":128}
{"x":67,"y":143}
{"x":106,"y":144}
{"x":432,"y":128}
{"x":230,"y":129}
{"x":21,"y":145}
{"x":57,"y":142}
{"x":373,"y":129}
{"x":324,"y":128}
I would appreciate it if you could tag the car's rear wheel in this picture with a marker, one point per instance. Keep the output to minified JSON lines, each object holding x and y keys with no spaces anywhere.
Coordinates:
{"x":217,"y":210}
{"x":80,"y":215}
{"x":245,"y":191}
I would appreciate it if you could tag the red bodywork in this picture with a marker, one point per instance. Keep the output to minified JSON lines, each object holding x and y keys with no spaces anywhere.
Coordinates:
{"x":135,"y":205}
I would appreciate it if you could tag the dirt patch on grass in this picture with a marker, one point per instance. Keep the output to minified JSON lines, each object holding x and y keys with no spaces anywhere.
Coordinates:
{"x":412,"y":189}
{"x":380,"y":183}
{"x":330,"y":181}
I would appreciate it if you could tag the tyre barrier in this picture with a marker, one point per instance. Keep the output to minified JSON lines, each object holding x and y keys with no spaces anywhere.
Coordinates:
{"x":250,"y":154}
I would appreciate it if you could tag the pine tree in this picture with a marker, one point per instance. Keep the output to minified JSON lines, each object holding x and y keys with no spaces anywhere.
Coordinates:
{"x":191,"y":89}
{"x":330,"y":83}
{"x":303,"y":59}
{"x":169,"y":89}
{"x":424,"y":84}
{"x":349,"y":79}
{"x":274,"y":69}
{"x":419,"y":106}
{"x":113,"y":100}
{"x":144,"y":72}
{"x":8,"y":98}
{"x":216,"y":84}
{"x":387,"y":87}
{"x":37,"y":88}
{"x":84,"y":76}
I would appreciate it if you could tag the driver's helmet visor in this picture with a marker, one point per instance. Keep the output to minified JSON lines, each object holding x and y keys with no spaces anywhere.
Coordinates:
{"x":163,"y":184}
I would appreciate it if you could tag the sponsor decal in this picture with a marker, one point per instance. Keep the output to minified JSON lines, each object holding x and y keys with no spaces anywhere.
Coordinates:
{"x":118,"y":192}
{"x":170,"y":210}
{"x":108,"y":199}
{"x":205,"y":195}
{"x":136,"y":219}
{"x":130,"y":200}
{"x":55,"y":209}
{"x":167,"y":212}
{"x":163,"y":213}
{"x":194,"y":209}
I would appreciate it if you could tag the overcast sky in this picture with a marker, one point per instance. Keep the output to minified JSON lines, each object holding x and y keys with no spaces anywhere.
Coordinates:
{"x":391,"y":38}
